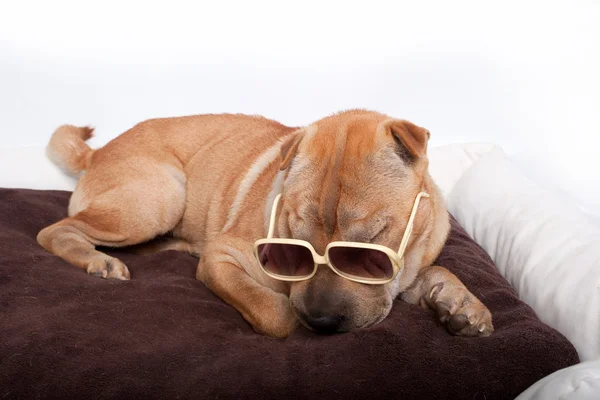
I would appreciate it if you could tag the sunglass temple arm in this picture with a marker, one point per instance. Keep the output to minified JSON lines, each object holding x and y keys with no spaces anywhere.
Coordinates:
{"x":409,"y":226}
{"x":273,"y":214}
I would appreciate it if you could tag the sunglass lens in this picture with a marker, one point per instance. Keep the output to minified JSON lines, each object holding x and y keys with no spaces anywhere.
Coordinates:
{"x":289,"y":260}
{"x":361,"y":263}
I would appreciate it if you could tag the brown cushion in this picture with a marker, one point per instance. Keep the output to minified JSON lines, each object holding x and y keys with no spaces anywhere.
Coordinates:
{"x":164,"y":335}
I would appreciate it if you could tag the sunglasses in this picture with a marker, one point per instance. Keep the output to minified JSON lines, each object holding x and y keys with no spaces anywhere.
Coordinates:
{"x":296,"y":260}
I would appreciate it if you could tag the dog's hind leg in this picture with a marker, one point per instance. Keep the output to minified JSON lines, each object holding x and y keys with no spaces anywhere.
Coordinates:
{"x":134,"y":206}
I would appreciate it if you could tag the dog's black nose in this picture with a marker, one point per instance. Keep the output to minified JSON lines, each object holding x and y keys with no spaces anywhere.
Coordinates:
{"x":324,"y":324}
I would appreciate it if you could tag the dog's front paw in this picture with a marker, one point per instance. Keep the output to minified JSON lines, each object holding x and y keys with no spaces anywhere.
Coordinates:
{"x":461,"y":312}
{"x":109,"y":268}
{"x":277,"y":322}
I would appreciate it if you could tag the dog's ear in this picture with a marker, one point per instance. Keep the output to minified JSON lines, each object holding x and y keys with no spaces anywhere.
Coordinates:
{"x":289,"y":148}
{"x":413,"y":137}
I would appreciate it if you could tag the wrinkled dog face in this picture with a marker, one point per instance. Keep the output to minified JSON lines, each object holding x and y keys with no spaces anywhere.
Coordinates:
{"x":351,"y":177}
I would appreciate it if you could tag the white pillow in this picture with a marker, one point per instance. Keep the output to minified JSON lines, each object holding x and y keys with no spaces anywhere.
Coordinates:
{"x":30,"y":168}
{"x":571,"y":176}
{"x":449,"y":162}
{"x":578,"y":382}
{"x":546,"y":248}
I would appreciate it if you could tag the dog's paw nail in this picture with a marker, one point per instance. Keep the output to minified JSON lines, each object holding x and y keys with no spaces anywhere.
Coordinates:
{"x":108,"y":269}
{"x":436,"y":289}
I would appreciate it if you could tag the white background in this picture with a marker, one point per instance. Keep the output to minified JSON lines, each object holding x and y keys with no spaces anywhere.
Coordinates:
{"x":523,"y":74}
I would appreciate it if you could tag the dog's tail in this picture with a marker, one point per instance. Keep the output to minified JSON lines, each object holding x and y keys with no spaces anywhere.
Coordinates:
{"x":68,"y":150}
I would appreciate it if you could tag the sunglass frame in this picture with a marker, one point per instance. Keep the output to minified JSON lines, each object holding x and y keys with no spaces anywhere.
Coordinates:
{"x":395,"y":259}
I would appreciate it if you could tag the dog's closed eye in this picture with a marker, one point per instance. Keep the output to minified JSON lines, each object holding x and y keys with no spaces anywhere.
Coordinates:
{"x":378,"y":231}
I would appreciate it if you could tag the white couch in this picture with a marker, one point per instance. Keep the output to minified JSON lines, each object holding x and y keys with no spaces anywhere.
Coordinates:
{"x":546,"y":247}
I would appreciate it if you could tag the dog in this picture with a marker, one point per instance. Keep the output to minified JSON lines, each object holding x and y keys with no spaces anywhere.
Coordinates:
{"x":208,"y":185}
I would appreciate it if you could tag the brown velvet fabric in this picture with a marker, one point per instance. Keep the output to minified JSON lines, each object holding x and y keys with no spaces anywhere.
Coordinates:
{"x":64,"y":334}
